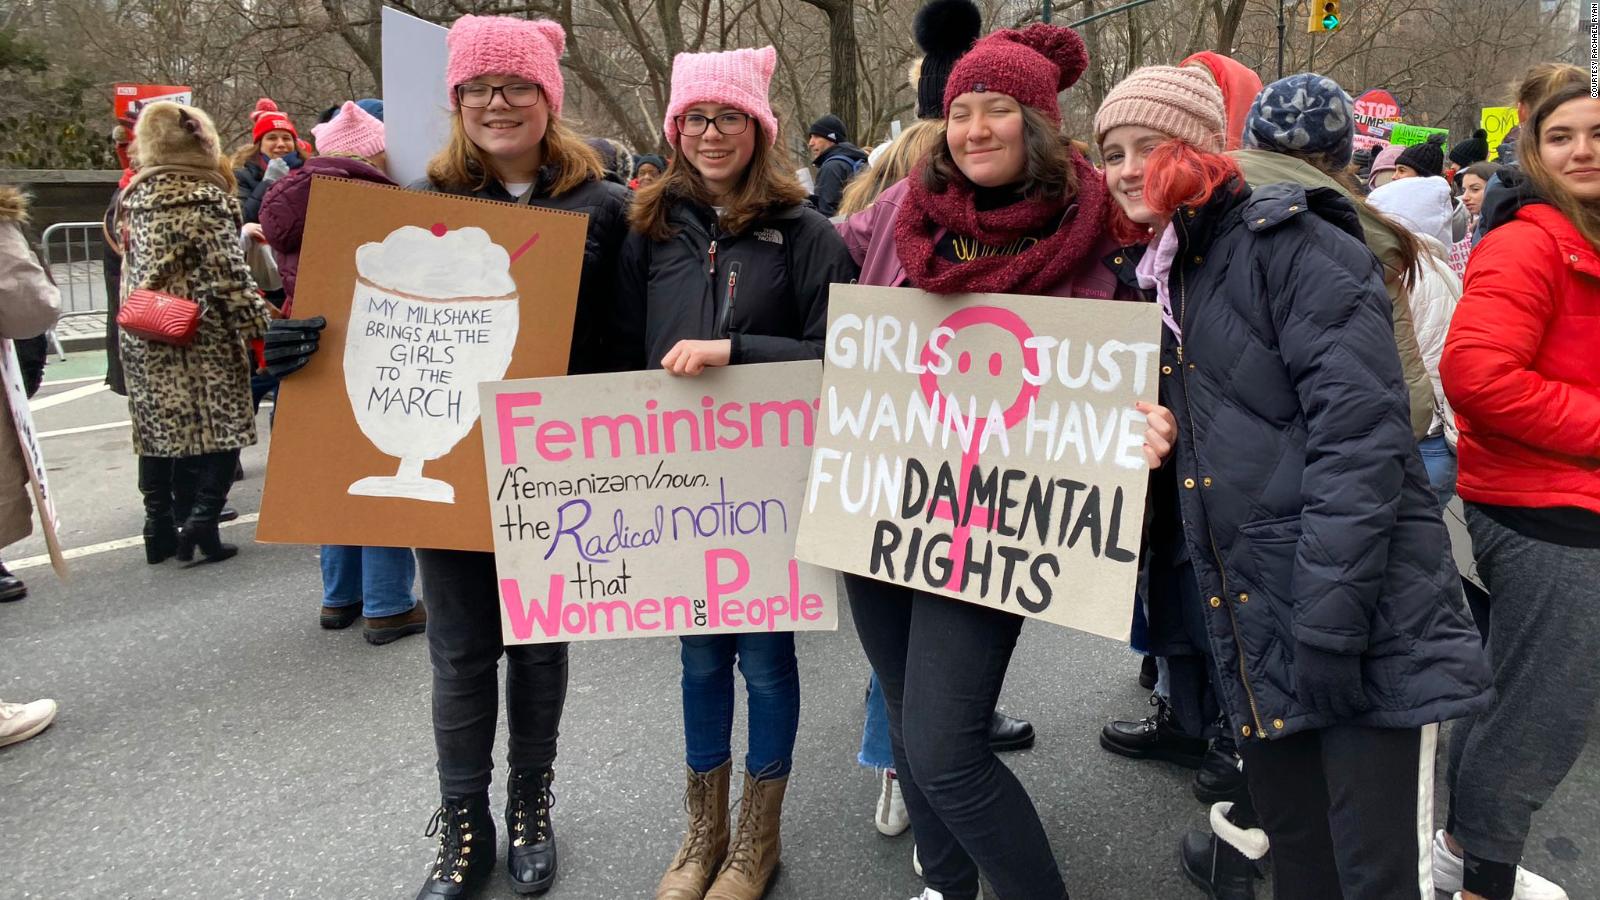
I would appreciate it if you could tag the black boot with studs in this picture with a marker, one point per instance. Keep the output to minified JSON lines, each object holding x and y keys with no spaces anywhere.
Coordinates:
{"x":466,"y":848}
{"x":532,"y":857}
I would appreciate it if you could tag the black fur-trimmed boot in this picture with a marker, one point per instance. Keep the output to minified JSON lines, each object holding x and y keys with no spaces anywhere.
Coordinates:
{"x":1224,"y":863}
{"x":466,"y":848}
{"x":532,"y":836}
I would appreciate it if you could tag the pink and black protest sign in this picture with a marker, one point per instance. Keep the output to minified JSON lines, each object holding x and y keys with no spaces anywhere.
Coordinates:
{"x":986,"y":447}
{"x":644,"y":504}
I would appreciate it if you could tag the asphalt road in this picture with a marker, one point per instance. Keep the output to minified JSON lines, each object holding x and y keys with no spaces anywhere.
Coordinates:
{"x":214,"y":743}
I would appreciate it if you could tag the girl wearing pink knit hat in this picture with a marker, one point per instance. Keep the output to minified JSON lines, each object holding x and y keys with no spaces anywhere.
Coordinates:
{"x":507,"y":143}
{"x":1003,"y":203}
{"x":727,"y":265}
{"x":1331,"y":666}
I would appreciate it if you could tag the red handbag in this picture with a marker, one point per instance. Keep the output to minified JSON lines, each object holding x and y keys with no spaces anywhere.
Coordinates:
{"x":160,"y":317}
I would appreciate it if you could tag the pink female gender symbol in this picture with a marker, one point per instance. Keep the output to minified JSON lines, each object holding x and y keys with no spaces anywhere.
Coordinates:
{"x":1009,"y":321}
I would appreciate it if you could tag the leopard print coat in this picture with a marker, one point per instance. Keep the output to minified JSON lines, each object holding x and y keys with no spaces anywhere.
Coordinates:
{"x":183,"y":238}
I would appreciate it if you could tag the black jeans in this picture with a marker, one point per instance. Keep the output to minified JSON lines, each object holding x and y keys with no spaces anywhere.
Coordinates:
{"x":941,"y":663}
{"x":1348,"y":810}
{"x":465,"y":646}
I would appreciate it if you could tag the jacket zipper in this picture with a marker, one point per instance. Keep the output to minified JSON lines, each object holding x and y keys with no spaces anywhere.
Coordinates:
{"x":1233,"y":621}
{"x":725,"y":321}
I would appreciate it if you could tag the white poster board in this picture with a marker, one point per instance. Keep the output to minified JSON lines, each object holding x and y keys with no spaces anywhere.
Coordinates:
{"x":32,"y":455}
{"x":416,"y":113}
{"x":986,"y":447}
{"x":643,"y":504}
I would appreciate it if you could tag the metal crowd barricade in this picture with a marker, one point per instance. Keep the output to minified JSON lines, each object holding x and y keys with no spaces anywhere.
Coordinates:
{"x":72,"y":252}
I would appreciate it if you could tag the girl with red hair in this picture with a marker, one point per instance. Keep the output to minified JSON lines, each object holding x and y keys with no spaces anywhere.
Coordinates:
{"x":1295,"y":501}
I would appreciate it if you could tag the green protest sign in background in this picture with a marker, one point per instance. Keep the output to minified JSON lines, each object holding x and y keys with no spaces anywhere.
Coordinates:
{"x":1404,"y":135}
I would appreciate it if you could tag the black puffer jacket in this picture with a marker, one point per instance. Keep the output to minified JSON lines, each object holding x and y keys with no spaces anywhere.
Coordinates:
{"x":766,"y":289}
{"x":606,"y":205}
{"x":253,"y":186}
{"x":1303,"y":502}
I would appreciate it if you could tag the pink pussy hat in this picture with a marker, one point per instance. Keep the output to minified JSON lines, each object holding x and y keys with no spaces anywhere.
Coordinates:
{"x":737,"y":78}
{"x":353,"y":130}
{"x":502,"y":45}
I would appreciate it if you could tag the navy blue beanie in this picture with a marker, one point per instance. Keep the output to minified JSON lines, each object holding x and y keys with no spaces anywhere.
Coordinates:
{"x":1305,"y":115}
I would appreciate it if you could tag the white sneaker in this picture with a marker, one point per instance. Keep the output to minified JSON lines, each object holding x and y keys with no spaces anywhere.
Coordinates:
{"x":931,"y":894}
{"x":20,"y":721}
{"x":916,"y":862}
{"x":1448,"y":868}
{"x":891,"y":817}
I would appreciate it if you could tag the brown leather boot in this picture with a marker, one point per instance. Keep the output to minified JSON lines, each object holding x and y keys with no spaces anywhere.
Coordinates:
{"x":705,"y":844}
{"x":753,"y":855}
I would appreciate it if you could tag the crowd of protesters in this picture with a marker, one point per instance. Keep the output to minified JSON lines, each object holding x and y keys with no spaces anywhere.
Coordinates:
{"x":1349,"y":343}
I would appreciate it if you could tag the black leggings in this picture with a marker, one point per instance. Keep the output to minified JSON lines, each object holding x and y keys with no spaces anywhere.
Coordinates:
{"x":941,"y":663}
{"x":464,"y":645}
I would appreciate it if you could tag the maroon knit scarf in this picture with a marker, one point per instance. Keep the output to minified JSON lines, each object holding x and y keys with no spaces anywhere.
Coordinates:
{"x":1033,"y":271}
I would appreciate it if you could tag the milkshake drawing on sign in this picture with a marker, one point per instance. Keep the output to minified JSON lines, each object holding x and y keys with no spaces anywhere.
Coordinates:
{"x":434,"y":313}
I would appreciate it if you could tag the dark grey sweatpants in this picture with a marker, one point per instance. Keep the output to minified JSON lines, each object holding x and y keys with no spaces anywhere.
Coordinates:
{"x":1544,"y":638}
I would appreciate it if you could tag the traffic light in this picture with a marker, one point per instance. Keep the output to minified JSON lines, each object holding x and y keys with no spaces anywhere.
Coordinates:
{"x":1325,"y":16}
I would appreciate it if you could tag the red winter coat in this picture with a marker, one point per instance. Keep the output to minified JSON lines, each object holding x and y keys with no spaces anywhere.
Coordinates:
{"x":1520,"y":366}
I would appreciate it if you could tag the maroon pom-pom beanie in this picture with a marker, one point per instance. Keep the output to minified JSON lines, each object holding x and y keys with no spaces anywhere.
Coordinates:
{"x":1032,"y":66}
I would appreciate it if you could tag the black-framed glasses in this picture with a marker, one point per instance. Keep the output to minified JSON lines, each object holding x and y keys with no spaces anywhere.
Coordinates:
{"x":473,"y":95}
{"x":730,"y":123}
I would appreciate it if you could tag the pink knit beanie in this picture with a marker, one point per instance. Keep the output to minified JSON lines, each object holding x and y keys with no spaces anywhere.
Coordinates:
{"x":1032,"y":66}
{"x":737,"y":78}
{"x":1184,"y":103}
{"x":353,"y":131}
{"x":1383,"y":162}
{"x":502,"y":45}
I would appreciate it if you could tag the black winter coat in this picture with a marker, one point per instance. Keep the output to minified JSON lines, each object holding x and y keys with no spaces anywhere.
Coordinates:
{"x":766,"y":290}
{"x":1300,"y":497}
{"x":606,"y":205}
{"x":251,"y":186}
{"x":835,"y":167}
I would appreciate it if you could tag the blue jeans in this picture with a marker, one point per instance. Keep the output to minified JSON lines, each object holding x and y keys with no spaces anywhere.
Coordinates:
{"x":877,"y":750}
{"x":378,"y":578}
{"x":772,"y":679}
{"x":1440,"y":462}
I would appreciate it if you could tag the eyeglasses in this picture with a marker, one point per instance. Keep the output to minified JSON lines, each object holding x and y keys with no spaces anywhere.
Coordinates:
{"x":727,"y":123}
{"x":473,"y":95}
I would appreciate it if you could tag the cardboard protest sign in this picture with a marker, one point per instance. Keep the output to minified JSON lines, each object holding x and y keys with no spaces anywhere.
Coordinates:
{"x":1404,"y":135}
{"x":986,"y":447}
{"x":376,"y":441}
{"x":646,"y":504}
{"x":1373,"y":112}
{"x":416,"y":113}
{"x":44,"y":504}
{"x":126,"y":97}
{"x":1497,"y":121}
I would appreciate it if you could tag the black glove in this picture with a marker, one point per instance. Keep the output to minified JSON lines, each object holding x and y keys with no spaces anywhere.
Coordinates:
{"x":290,"y":343}
{"x":1329,"y":683}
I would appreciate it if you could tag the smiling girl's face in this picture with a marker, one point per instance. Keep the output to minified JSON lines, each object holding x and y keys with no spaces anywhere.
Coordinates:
{"x":985,"y":135}
{"x":1123,"y":152}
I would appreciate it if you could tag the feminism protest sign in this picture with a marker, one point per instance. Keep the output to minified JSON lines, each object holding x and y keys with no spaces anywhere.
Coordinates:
{"x":985,"y":447}
{"x":645,"y":504}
